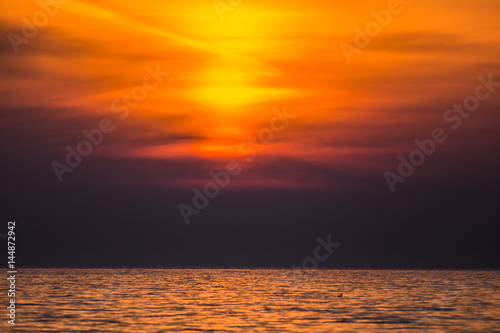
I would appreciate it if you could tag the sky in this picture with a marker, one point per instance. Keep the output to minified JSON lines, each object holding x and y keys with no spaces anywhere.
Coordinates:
{"x":304,"y":110}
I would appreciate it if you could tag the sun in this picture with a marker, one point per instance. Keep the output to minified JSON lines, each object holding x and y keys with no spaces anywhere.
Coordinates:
{"x":231,"y":96}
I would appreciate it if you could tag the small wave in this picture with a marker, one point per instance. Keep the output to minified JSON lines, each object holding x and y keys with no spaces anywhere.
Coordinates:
{"x":434,"y":308}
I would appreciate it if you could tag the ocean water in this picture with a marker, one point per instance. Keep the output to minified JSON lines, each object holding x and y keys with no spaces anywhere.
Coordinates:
{"x":259,"y":300}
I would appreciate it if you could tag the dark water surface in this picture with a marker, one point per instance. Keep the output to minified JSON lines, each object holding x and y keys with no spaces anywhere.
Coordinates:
{"x":240,"y":300}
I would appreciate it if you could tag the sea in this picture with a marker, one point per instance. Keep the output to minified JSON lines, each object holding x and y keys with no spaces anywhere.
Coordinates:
{"x":252,"y":300}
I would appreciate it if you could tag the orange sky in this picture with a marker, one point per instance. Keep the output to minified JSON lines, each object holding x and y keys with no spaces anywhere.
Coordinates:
{"x":226,"y":77}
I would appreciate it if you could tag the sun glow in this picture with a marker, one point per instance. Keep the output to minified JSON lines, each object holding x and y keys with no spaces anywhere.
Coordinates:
{"x":226,"y":76}
{"x":230,"y":96}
